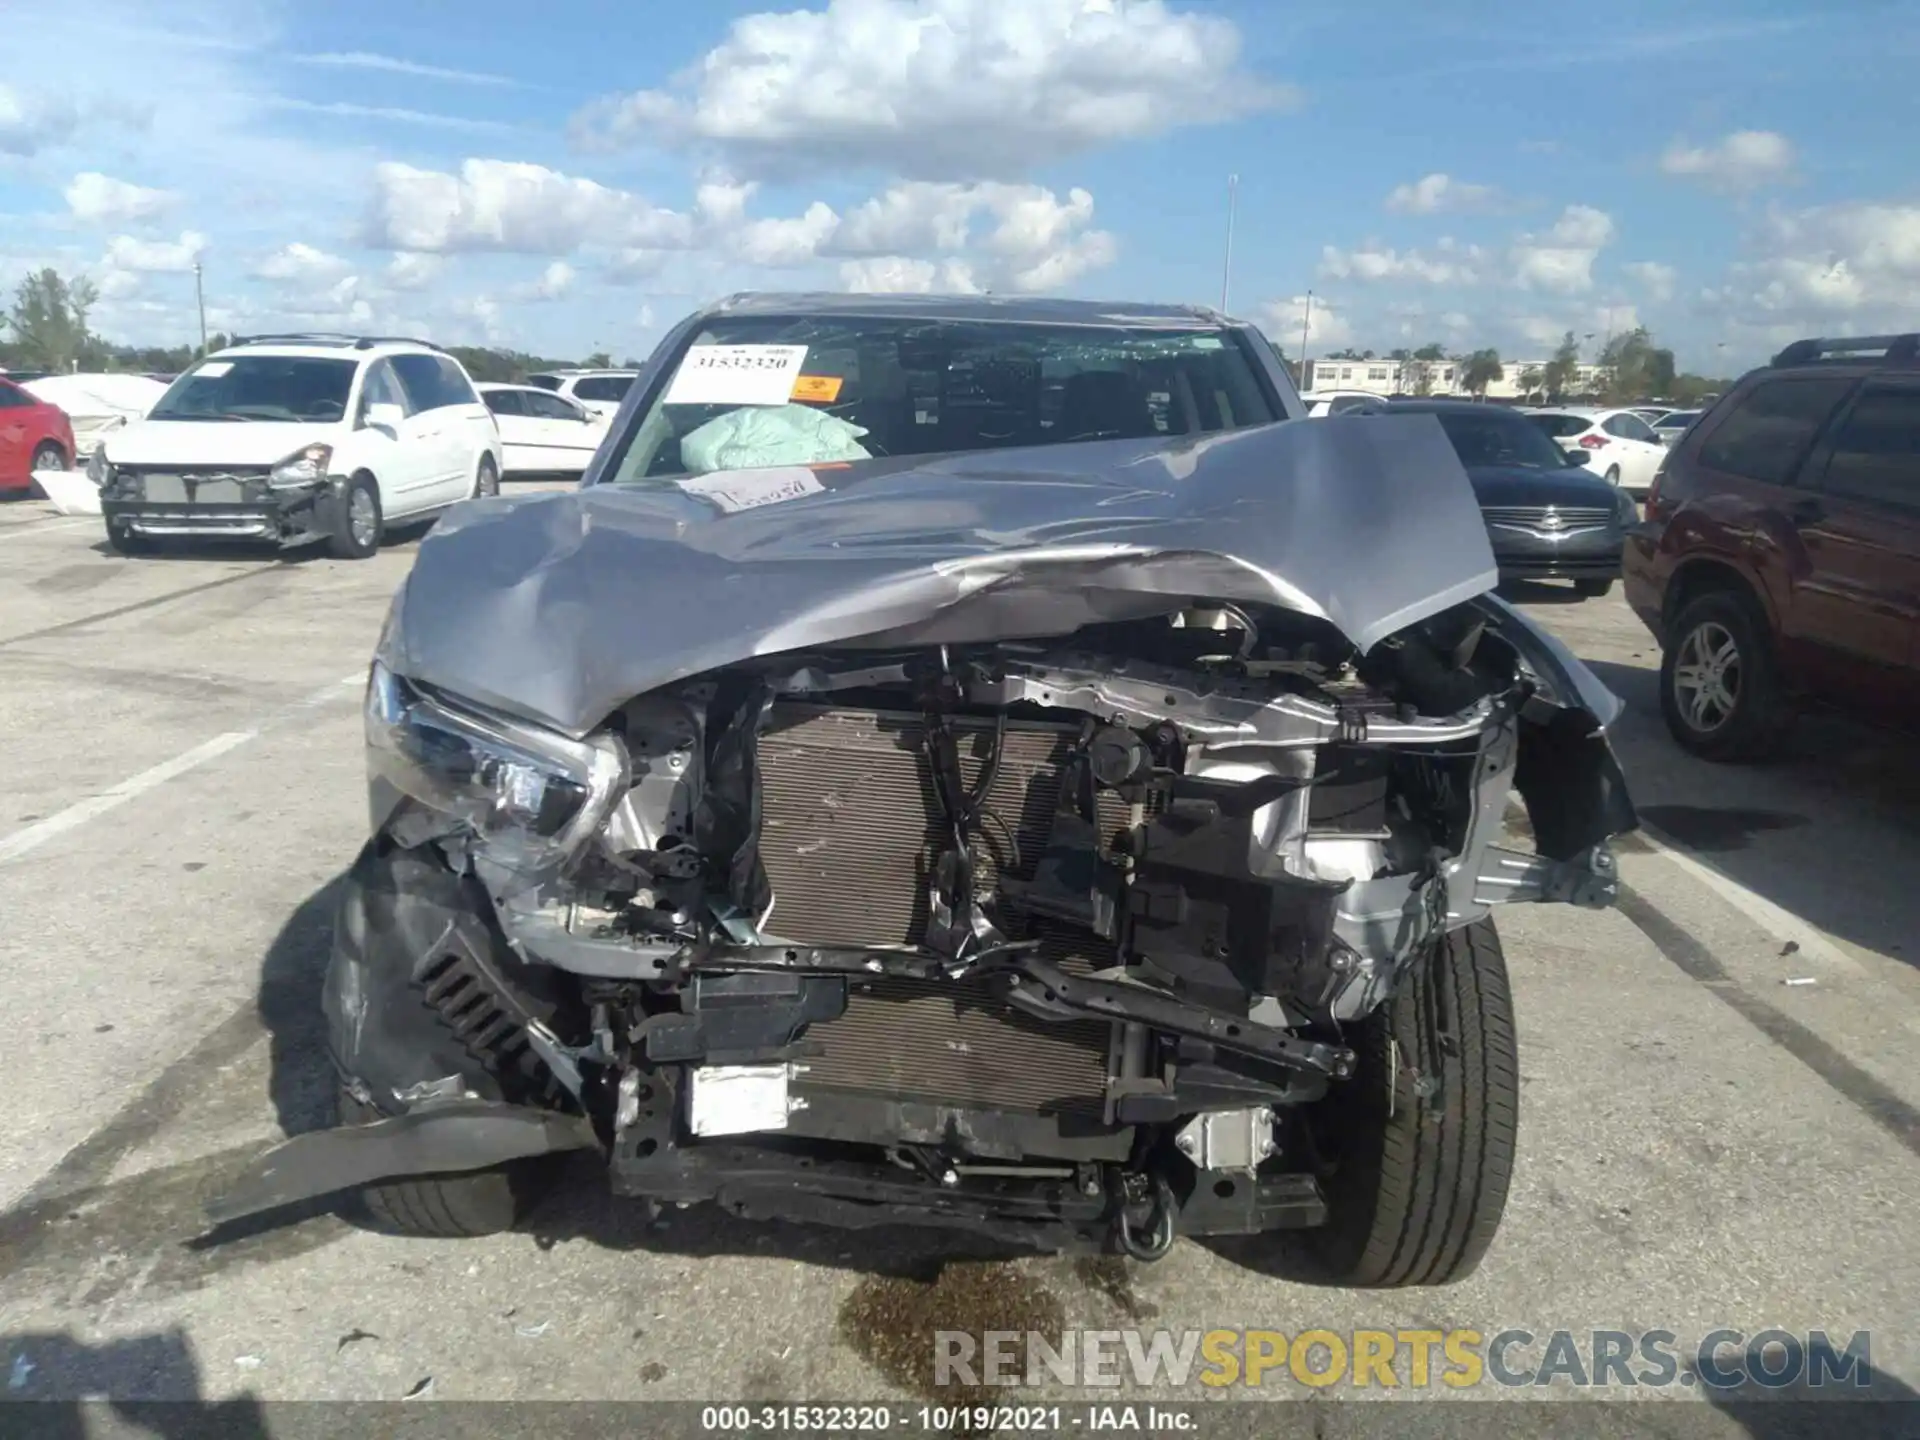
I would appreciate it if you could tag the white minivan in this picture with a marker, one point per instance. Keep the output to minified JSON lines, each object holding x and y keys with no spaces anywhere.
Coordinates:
{"x":296,"y":438}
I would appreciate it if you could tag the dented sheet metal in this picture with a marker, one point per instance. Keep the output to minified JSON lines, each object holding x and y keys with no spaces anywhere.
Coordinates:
{"x":587,"y":598}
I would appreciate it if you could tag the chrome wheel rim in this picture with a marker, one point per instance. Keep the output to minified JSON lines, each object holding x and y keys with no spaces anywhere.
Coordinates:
{"x":360,"y":517}
{"x":487,"y":483}
{"x":1706,"y":677}
{"x":50,"y":457}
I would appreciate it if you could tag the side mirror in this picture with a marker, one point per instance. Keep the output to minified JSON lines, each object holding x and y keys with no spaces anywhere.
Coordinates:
{"x":384,"y":416}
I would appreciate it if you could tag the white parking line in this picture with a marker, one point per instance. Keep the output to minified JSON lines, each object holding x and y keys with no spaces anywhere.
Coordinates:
{"x":33,"y":527}
{"x":32,"y":837}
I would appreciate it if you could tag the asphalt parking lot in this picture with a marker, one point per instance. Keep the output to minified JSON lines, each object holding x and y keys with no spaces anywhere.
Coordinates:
{"x":1721,"y":1123}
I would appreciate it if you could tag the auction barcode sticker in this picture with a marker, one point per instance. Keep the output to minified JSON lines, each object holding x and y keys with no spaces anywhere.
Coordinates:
{"x":736,"y":375}
{"x":749,"y":489}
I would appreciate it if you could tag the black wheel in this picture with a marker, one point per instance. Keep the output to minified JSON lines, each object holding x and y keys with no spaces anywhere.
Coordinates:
{"x":1613,"y":474}
{"x":486,"y":480}
{"x":49,"y":456}
{"x":480,"y":1202}
{"x":125,"y":542}
{"x":1592,"y":589}
{"x":358,"y":527}
{"x":1719,"y":683}
{"x":1418,"y":1146}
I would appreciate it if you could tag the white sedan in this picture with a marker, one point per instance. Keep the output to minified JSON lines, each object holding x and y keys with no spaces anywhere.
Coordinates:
{"x":1337,"y":402}
{"x":542,"y":433}
{"x":1617,"y":443}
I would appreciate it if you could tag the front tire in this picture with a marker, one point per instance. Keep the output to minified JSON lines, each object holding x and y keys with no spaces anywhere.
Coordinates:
{"x":49,"y":456}
{"x":1720,"y":690}
{"x":358,"y":527}
{"x":1422,"y":1137}
{"x":486,"y":479}
{"x":449,"y":1207}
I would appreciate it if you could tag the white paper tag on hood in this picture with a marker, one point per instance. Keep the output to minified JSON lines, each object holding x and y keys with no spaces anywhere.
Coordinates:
{"x":734,"y":490}
{"x":736,"y":375}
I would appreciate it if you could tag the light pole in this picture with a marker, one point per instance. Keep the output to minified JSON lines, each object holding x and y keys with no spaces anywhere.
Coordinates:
{"x":1226,"y":268}
{"x":1306,"y":321}
{"x":200,"y":300}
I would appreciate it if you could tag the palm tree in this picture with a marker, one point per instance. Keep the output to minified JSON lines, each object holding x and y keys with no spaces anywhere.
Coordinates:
{"x":1479,"y":370}
{"x":1532,"y":380}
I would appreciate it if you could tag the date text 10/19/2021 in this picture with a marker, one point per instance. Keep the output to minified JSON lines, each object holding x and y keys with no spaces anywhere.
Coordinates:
{"x":948,"y":1419}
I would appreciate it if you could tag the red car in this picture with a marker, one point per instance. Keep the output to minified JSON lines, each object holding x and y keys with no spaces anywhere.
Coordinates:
{"x":1779,"y":562}
{"x":33,"y":436}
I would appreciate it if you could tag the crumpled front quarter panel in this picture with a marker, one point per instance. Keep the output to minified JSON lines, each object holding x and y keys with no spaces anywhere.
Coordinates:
{"x":560,"y":606}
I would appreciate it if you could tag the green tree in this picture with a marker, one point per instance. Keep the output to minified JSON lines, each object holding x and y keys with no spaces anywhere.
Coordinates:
{"x":1562,"y":368}
{"x":49,"y":319}
{"x":598,"y":360}
{"x":1430,"y":351}
{"x":1479,"y":370}
{"x":1533,"y":379}
{"x":1636,"y":368}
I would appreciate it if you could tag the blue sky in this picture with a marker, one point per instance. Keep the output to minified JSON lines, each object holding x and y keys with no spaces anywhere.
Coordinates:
{"x":571,"y":177}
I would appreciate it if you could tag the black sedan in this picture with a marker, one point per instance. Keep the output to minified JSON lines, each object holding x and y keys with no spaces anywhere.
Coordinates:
{"x":1548,"y":516}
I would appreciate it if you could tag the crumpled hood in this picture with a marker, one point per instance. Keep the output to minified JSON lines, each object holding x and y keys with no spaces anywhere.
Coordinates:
{"x":558,"y":607}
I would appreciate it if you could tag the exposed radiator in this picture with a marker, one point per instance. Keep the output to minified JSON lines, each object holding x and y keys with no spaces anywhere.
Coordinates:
{"x":848,"y":837}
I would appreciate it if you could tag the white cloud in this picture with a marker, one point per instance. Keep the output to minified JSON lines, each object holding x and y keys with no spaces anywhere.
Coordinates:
{"x":919,"y":215}
{"x":943,"y":88}
{"x":1827,"y":267}
{"x":901,"y":275}
{"x":394,"y":65}
{"x":1039,"y":240}
{"x":552,"y":283}
{"x":1326,"y":327}
{"x":1562,"y":260}
{"x":786,"y":242}
{"x":30,"y":123}
{"x":1453,"y":265}
{"x":1657,"y":279}
{"x":128,"y":252}
{"x":1743,"y":160}
{"x":301,"y":262}
{"x":1436,"y":192}
{"x":97,"y":199}
{"x":510,"y":206}
{"x":411,"y":271}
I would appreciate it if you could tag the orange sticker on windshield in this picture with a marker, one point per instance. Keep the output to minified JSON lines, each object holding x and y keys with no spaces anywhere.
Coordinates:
{"x":825,"y":388}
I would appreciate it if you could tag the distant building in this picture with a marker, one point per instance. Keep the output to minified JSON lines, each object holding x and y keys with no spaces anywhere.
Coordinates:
{"x":1435,"y":377}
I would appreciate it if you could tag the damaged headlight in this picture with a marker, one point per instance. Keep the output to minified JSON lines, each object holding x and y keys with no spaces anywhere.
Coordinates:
{"x":525,"y":796}
{"x":306,"y":466}
{"x":99,"y":468}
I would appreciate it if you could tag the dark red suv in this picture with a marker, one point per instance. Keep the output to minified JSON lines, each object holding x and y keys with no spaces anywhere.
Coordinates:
{"x":1779,"y":561}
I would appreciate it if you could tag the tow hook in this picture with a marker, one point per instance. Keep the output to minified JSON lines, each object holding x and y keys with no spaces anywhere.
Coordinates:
{"x":1143,"y":1227}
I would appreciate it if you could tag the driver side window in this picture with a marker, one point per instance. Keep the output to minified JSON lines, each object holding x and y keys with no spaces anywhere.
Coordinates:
{"x":381,"y":388}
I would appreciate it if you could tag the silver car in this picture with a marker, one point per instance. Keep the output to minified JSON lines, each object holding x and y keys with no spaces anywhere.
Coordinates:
{"x":973,"y":763}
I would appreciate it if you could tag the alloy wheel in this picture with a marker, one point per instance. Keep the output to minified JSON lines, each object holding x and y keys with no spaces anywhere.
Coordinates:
{"x":361,"y":520}
{"x":1706,"y":677}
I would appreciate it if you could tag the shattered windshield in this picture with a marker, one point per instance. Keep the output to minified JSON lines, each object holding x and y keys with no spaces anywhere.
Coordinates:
{"x":755,"y":391}
{"x":260,"y":387}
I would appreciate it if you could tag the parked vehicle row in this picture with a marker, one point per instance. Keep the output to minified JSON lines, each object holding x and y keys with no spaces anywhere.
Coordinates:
{"x":1615,"y":443}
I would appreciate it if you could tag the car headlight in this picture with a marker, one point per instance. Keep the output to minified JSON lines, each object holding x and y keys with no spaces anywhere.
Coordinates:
{"x":99,"y":468}
{"x":306,"y":466}
{"x":526,"y":798}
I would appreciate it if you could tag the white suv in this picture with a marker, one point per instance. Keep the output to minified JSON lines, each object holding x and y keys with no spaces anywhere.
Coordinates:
{"x":296,"y":438}
{"x":601,"y":391}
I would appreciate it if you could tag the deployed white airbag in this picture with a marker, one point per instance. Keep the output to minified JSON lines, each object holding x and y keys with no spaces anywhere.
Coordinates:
{"x":763,"y":435}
